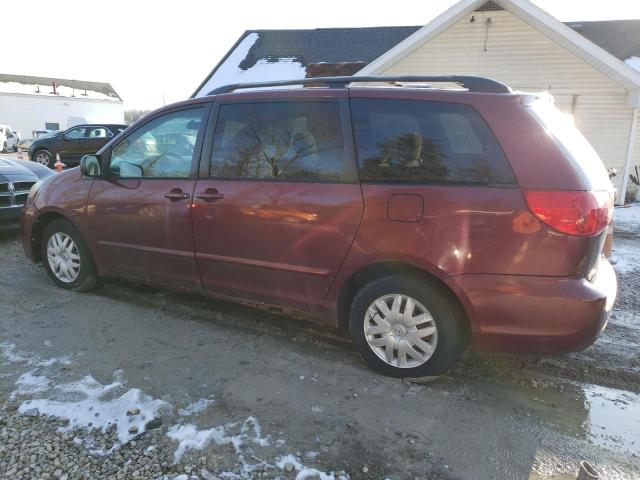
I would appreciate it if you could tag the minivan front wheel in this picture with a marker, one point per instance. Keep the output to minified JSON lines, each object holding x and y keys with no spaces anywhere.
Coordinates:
{"x":66,"y":257}
{"x":404,"y":326}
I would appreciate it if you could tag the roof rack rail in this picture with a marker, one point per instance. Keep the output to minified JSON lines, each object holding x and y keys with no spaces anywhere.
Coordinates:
{"x":471,"y":83}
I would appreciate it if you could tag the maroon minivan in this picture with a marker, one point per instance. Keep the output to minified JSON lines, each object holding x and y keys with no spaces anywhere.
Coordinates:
{"x":421,"y":219}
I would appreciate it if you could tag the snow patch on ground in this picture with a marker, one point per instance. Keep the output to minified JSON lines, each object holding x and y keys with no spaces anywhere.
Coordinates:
{"x":11,"y":355}
{"x":243,"y":437}
{"x":89,"y":407}
{"x":189,"y":437}
{"x":626,"y":219}
{"x":625,"y":256}
{"x":195,"y":407}
{"x":303,"y":471}
{"x":89,"y":404}
{"x":31,"y":383}
{"x":264,"y":70}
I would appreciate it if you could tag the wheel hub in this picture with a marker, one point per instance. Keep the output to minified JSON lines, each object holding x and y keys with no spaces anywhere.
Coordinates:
{"x":400,"y":331}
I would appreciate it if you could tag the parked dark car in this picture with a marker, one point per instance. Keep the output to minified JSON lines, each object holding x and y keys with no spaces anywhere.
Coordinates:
{"x":417,"y":218}
{"x":16,"y":179}
{"x":72,"y":144}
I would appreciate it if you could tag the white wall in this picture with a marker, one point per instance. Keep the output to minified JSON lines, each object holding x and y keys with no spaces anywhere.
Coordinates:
{"x":26,"y":113}
{"x":524,"y":58}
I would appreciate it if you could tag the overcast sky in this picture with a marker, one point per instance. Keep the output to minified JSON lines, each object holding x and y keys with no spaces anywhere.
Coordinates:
{"x":159,"y":51}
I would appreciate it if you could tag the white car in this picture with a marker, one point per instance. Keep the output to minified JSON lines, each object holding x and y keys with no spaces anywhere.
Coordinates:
{"x":8,"y":139}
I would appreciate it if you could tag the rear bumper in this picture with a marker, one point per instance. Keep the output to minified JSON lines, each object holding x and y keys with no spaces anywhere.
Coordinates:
{"x":525,"y":314}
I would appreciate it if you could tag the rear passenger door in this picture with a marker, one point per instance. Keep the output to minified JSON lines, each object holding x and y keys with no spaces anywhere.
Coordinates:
{"x":437,"y":183}
{"x":280,"y":204}
{"x":96,"y":138}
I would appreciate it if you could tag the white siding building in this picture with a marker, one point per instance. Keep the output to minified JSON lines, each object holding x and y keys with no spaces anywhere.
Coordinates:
{"x":519,"y":44}
{"x":36,"y":103}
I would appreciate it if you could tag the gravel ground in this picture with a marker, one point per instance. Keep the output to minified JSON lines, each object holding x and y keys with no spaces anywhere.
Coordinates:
{"x":196,"y":388}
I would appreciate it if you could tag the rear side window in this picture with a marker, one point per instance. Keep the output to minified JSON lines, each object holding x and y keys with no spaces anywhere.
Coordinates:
{"x":287,"y":141}
{"x":425,"y":142}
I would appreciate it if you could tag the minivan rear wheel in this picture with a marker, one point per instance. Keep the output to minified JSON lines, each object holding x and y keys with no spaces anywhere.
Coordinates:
{"x":404,"y":326}
{"x":66,"y":257}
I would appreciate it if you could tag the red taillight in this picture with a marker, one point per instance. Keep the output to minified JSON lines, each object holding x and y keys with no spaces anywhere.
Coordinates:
{"x":574,"y":213}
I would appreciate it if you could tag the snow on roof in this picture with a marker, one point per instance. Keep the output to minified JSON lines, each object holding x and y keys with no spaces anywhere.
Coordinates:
{"x":283,"y":68}
{"x":44,"y":86}
{"x":633,"y":62}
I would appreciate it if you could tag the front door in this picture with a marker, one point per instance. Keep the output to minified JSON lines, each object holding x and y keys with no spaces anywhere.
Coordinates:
{"x":71,"y":144}
{"x":277,"y":215}
{"x":140,"y":215}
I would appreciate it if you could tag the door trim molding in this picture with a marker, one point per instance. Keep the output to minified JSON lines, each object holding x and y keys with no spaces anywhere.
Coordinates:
{"x":129,"y":246}
{"x":287,"y":267}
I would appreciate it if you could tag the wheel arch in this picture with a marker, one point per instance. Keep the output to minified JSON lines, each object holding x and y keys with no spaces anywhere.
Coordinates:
{"x":39,"y":225}
{"x":385,"y":268}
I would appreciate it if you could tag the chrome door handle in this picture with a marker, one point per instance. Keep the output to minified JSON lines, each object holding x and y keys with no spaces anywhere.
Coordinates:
{"x":176,"y":194}
{"x":210,"y":195}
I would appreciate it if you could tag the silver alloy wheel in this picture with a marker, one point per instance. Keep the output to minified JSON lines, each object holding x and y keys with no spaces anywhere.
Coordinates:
{"x":400,"y":331}
{"x":63,"y":257}
{"x":43,"y":158}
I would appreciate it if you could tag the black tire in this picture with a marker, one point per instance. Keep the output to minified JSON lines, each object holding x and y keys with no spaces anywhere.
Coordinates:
{"x":448,"y":316}
{"x":86,"y":278}
{"x":50,"y":163}
{"x":5,"y":148}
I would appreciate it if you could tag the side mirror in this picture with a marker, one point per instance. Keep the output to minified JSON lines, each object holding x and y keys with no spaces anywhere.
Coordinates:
{"x":91,"y":166}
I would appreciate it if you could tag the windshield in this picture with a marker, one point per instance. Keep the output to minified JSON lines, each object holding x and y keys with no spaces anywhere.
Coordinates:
{"x":573,"y":144}
{"x":47,"y":135}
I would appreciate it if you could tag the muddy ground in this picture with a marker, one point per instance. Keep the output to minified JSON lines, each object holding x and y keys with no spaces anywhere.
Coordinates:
{"x":291,"y":393}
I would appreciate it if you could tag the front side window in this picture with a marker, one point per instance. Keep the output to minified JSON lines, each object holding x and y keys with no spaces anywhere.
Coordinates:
{"x":286,"y":141}
{"x":74,"y":133}
{"x":425,"y":142}
{"x":161,"y":148}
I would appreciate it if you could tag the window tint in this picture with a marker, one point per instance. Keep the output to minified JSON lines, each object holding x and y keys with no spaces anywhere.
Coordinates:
{"x":78,"y":132}
{"x":161,"y":148}
{"x":420,"y":141}
{"x":281,"y":141}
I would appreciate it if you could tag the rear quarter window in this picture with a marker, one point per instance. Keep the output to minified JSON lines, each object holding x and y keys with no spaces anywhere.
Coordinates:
{"x":426,"y":142}
{"x":574,"y":146}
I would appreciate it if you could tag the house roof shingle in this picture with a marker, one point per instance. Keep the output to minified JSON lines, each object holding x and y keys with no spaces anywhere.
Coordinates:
{"x":326,"y":45}
{"x":621,"y":38}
